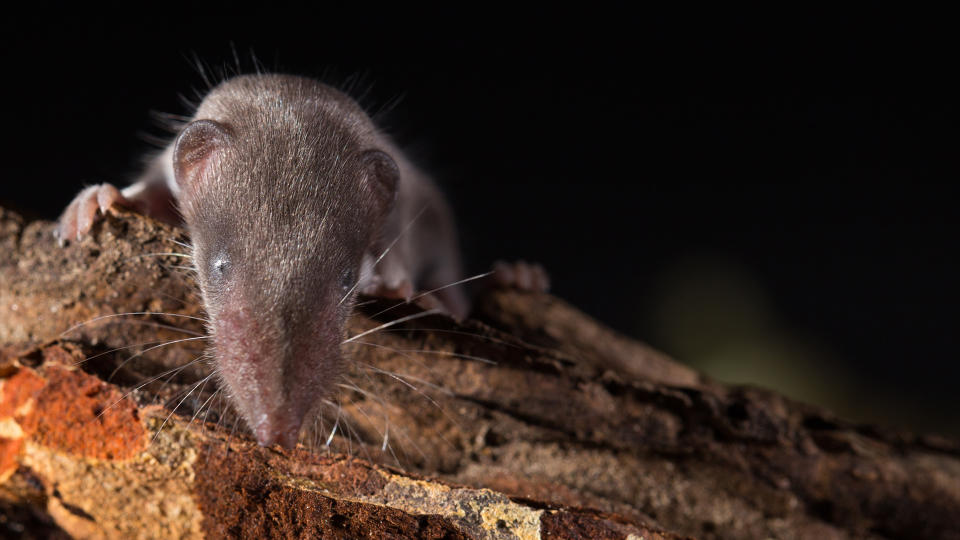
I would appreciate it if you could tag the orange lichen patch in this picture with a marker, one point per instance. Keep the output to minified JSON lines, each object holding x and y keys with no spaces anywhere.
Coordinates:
{"x":9,"y":450}
{"x":17,"y":396}
{"x":17,"y":393}
{"x":80,"y":414}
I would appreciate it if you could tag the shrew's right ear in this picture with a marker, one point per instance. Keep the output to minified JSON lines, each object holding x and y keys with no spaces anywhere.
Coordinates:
{"x":381,"y":175}
{"x":197,"y":147}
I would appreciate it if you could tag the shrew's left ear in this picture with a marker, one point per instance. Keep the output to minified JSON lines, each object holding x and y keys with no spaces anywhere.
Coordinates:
{"x":197,"y":146}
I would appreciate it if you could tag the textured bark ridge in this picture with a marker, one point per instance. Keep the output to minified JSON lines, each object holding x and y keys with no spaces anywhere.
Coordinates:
{"x":528,"y":421}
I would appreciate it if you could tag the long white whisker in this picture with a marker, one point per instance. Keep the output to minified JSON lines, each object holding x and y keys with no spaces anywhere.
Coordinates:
{"x":454,"y":284}
{"x":392,"y":323}
{"x":385,"y":251}
{"x":128,"y":314}
{"x":333,"y":431}
{"x":353,"y":433}
{"x":427,"y":351}
{"x":402,"y":352}
{"x":386,"y":407}
{"x":165,"y":420}
{"x":424,"y":395}
{"x":233,"y":430}
{"x":171,"y":254}
{"x":164,"y":326}
{"x":458,"y":355}
{"x":318,"y":420}
{"x":431,"y":291}
{"x":347,"y":295}
{"x":203,"y":356}
{"x":210,"y":408}
{"x":204,"y":404}
{"x":141,"y":353}
{"x":182,"y":244}
{"x":385,"y":434}
{"x":170,"y":372}
{"x":402,"y":377}
{"x":346,"y":424}
{"x":87,"y":359}
{"x":460,"y":332}
{"x":402,"y":232}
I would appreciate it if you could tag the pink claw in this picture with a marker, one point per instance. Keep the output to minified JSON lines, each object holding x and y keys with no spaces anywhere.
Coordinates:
{"x":82,"y":212}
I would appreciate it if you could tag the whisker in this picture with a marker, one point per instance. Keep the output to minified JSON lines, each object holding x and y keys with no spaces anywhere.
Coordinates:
{"x":165,"y":420}
{"x":385,"y":434}
{"x":166,"y":327}
{"x":421,"y":295}
{"x":204,"y":404}
{"x":333,"y":431}
{"x":128,"y":314}
{"x":229,"y":438}
{"x":171,"y":254}
{"x":318,"y":420}
{"x":457,"y":355}
{"x":402,"y":352}
{"x":392,"y":323}
{"x":402,"y":232}
{"x":402,"y":377}
{"x":170,"y":372}
{"x":180,"y":301}
{"x":205,"y":355}
{"x":431,"y":400}
{"x":385,"y":251}
{"x":141,"y":353}
{"x":354,"y":434}
{"x":181,"y":244}
{"x":425,"y":396}
{"x":460,"y":332}
{"x":210,"y":408}
{"x":87,"y":359}
{"x":427,"y":351}
{"x":346,"y":427}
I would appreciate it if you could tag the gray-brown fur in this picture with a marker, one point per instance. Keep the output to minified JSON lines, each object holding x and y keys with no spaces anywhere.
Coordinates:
{"x":288,"y":191}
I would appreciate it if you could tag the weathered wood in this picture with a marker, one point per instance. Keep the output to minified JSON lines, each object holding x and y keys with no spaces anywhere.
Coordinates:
{"x":530,"y":420}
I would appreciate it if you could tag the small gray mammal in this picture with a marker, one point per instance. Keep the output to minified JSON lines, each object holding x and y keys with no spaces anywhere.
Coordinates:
{"x":292,"y":198}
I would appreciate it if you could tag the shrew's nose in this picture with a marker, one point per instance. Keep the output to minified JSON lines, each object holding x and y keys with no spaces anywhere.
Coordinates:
{"x":284,"y":432}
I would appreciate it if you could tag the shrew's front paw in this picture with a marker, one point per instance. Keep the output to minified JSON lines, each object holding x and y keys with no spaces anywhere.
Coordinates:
{"x":90,"y":204}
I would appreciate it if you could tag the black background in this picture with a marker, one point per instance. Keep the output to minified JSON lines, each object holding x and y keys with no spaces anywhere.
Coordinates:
{"x":685,"y":177}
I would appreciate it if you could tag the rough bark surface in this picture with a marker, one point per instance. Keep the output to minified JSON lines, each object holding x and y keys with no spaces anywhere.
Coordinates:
{"x":530,"y":420}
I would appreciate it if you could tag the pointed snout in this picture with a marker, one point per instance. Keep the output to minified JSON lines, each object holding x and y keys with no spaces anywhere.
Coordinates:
{"x":276,"y":371}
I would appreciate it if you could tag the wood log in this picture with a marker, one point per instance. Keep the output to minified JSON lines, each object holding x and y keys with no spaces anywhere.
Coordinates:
{"x":528,"y":420}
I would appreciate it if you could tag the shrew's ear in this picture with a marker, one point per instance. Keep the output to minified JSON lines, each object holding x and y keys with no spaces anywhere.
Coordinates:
{"x":381,"y":176}
{"x":196,"y":147}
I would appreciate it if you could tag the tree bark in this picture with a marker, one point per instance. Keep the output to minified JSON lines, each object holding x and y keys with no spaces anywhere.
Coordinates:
{"x":529,"y":420}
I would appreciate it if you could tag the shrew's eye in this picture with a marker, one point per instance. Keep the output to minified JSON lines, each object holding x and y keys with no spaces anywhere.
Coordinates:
{"x":219,"y":268}
{"x":347,"y":280}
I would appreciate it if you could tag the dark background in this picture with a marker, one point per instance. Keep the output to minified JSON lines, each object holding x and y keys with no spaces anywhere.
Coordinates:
{"x":771,"y":199}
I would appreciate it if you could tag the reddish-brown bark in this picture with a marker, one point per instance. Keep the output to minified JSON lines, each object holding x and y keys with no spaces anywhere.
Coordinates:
{"x":529,"y":420}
